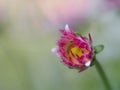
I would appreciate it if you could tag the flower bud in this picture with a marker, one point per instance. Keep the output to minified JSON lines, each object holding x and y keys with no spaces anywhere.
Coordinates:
{"x":75,"y":51}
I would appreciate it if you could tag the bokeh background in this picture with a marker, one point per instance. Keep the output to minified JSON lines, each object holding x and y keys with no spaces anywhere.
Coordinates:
{"x":29,"y":29}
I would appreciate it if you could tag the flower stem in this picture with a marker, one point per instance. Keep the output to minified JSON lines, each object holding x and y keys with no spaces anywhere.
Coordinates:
{"x":102,"y":75}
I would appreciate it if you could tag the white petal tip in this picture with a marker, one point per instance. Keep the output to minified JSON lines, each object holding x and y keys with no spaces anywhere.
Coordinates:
{"x":54,"y":50}
{"x":87,"y":64}
{"x":67,"y":27}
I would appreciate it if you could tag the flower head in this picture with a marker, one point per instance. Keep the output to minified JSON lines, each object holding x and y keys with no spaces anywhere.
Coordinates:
{"x":75,"y":51}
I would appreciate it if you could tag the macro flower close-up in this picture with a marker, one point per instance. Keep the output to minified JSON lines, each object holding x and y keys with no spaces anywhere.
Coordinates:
{"x":75,"y":51}
{"x":59,"y":44}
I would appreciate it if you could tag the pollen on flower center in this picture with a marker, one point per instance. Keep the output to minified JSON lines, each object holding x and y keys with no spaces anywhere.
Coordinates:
{"x":75,"y":52}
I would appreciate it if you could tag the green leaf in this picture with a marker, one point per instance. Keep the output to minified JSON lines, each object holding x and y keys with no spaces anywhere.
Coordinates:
{"x":98,"y":49}
{"x":77,"y":33}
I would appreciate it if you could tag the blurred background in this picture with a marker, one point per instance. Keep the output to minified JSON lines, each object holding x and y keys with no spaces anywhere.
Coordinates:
{"x":29,"y":29}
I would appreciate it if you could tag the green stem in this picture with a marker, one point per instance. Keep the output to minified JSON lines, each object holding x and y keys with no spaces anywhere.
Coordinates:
{"x":102,"y":75}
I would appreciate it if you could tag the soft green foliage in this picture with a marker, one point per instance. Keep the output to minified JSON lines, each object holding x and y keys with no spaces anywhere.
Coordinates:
{"x":98,"y":49}
{"x":77,"y":33}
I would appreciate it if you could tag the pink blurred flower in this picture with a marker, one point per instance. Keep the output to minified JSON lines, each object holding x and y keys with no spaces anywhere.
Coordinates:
{"x":67,"y":11}
{"x":75,"y":51}
{"x":3,"y":11}
{"x":113,"y":3}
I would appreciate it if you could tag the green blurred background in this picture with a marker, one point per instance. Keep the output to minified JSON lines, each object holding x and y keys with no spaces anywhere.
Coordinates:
{"x":29,"y":29}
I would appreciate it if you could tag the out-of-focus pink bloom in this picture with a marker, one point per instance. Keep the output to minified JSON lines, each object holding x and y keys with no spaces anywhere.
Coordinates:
{"x":112,"y":4}
{"x":75,"y":51}
{"x":3,"y":11}
{"x":67,"y":11}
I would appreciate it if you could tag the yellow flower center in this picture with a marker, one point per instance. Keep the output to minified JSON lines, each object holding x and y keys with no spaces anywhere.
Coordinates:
{"x":75,"y":52}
